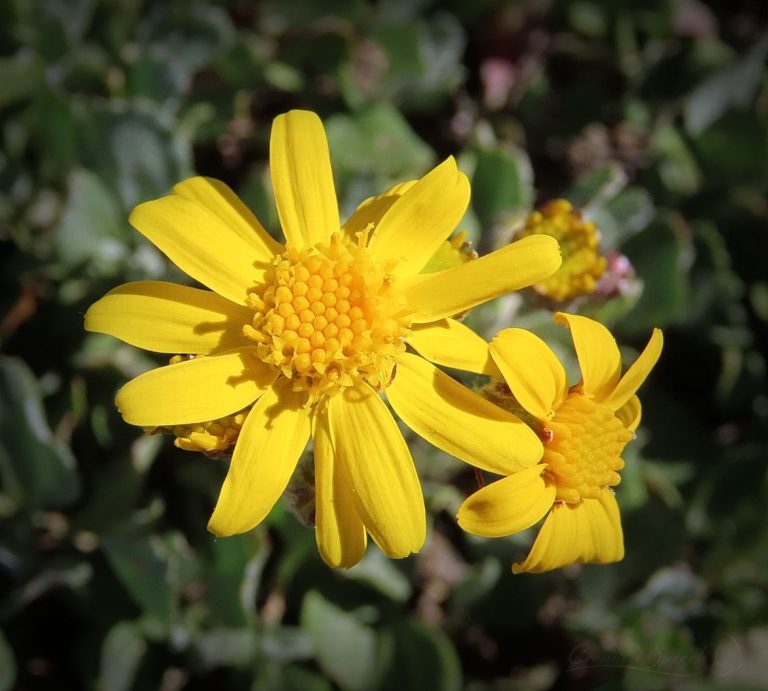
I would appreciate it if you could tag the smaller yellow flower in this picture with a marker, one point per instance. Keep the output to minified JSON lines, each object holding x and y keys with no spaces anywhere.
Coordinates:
{"x":579,"y":242}
{"x":584,"y":429}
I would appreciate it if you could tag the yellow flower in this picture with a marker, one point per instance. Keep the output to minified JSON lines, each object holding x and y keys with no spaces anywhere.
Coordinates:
{"x":308,"y":333}
{"x":216,"y":437}
{"x":584,"y":429}
{"x":580,"y":244}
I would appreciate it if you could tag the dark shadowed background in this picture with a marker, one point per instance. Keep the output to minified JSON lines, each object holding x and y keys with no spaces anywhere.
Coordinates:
{"x":652,"y":116}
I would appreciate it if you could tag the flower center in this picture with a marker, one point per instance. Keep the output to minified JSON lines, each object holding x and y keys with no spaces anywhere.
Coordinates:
{"x":580,"y":247}
{"x":582,"y":448}
{"x":328,"y":317}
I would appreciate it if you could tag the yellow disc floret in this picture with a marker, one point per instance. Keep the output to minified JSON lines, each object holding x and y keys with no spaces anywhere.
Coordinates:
{"x":583,"y":443}
{"x":329,"y":316}
{"x":579,"y":242}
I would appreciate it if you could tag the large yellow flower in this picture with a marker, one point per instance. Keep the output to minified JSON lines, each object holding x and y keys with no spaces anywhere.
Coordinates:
{"x":307,"y":335}
{"x":584,"y":428}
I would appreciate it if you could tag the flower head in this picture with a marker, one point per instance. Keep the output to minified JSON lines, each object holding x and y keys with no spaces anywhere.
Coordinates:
{"x":584,"y":429}
{"x":304,"y":336}
{"x":579,"y":241}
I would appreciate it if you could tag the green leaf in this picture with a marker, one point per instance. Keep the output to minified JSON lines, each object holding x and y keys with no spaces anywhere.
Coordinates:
{"x":63,"y":574}
{"x":732,"y":86}
{"x":380,"y":572}
{"x":286,"y":644}
{"x":673,"y":590}
{"x":501,"y":184}
{"x":422,"y":658}
{"x":69,"y":18}
{"x":176,"y":42}
{"x":294,"y":678}
{"x":598,"y":186}
{"x":121,"y":655}
{"x":401,"y":10}
{"x":53,"y":129}
{"x":661,"y":256}
{"x":412,"y":63}
{"x":345,"y":647}
{"x":622,"y":216}
{"x":278,"y":16}
{"x":7,"y":665}
{"x":479,"y":581}
{"x":442,"y":48}
{"x":20,"y":76}
{"x":377,"y":142}
{"x":233,"y":577}
{"x":734,"y":150}
{"x":589,"y":18}
{"x":283,"y":76}
{"x":40,"y":468}
{"x":677,"y":166}
{"x":142,"y":565}
{"x":135,"y":150}
{"x":91,"y":227}
{"x":400,"y":43}
{"x":153,"y":569}
{"x":221,"y":647}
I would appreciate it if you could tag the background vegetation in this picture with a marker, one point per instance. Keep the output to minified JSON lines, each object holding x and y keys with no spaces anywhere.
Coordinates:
{"x":652,"y":116}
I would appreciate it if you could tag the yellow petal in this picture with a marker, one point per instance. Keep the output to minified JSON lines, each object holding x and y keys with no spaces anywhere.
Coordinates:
{"x":382,"y":476}
{"x":302,"y":178}
{"x":563,"y":538}
{"x":630,"y":413}
{"x":415,"y":225}
{"x":169,"y":318}
{"x":531,"y":370}
{"x":445,"y":293}
{"x":372,"y":210}
{"x":605,"y":523}
{"x":637,"y":373}
{"x":201,"y":244}
{"x":206,"y":388}
{"x":599,"y":357}
{"x":458,"y":421}
{"x":224,"y":203}
{"x":339,"y":531}
{"x":272,"y":438}
{"x":508,"y":505}
{"x":587,"y":532}
{"x":451,"y":344}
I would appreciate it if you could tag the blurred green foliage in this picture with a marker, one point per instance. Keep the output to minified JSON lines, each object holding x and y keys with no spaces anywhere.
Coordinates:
{"x":652,"y":117}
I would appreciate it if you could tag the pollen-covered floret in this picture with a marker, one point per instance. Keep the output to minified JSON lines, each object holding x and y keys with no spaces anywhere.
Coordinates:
{"x":582,"y":448}
{"x":328,"y":317}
